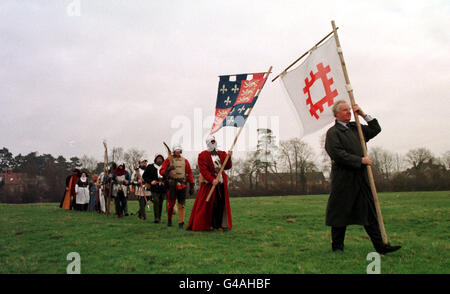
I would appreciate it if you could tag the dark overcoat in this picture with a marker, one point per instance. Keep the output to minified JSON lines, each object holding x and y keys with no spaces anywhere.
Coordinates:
{"x":151,"y":174}
{"x":351,"y":200}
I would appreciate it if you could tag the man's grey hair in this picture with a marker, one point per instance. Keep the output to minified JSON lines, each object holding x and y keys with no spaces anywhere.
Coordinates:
{"x":336,"y":106}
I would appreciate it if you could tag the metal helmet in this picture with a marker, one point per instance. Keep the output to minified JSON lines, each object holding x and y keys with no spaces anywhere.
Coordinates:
{"x":177,"y":147}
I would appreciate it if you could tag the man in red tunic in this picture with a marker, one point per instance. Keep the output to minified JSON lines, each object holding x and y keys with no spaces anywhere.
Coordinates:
{"x":217,"y":212}
{"x":178,"y":173}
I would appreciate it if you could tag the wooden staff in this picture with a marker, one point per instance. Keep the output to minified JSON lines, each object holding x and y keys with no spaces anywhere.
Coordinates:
{"x":361,"y":136}
{"x":304,"y":54}
{"x":235,"y":140}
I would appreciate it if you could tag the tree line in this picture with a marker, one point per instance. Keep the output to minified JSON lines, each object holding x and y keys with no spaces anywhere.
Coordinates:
{"x":292,"y":168}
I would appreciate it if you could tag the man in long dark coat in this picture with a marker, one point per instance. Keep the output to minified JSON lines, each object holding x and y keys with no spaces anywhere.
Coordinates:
{"x":351,"y":201}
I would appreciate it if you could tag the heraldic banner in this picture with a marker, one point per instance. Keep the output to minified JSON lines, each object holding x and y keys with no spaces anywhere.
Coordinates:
{"x":235,"y":99}
{"x":316,"y":85}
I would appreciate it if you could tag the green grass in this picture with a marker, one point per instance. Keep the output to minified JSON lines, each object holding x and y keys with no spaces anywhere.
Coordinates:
{"x":270,"y":235}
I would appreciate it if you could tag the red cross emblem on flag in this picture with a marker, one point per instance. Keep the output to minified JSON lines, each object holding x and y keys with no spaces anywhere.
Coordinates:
{"x":315,"y":85}
{"x":321,"y":74}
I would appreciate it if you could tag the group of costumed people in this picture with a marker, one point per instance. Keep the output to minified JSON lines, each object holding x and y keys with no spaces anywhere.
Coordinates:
{"x":86,"y":193}
{"x":167,"y":179}
{"x":82,"y":192}
{"x":350,"y":203}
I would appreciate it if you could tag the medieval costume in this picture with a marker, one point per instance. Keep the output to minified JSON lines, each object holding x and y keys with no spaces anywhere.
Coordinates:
{"x":141,"y":191}
{"x":215,"y":213}
{"x":68,"y":200}
{"x":93,"y":194}
{"x":178,"y":173}
{"x":351,"y":201}
{"x":157,"y":186}
{"x":82,"y":192}
{"x":121,"y":179}
{"x":101,"y":183}
{"x":108,"y":189}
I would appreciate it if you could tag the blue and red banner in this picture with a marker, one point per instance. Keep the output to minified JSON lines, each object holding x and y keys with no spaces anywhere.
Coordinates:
{"x":235,"y":99}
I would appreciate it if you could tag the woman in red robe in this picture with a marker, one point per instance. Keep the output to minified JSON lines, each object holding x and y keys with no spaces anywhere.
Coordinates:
{"x":216,"y":212}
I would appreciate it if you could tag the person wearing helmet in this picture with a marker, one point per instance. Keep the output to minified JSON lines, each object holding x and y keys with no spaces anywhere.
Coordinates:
{"x":216,"y":213}
{"x":178,"y":173}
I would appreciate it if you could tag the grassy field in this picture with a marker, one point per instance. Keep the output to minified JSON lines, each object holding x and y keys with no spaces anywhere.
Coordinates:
{"x":283,"y":234}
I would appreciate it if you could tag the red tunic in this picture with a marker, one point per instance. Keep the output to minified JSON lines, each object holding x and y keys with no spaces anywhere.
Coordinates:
{"x":188,"y":170}
{"x":201,"y":215}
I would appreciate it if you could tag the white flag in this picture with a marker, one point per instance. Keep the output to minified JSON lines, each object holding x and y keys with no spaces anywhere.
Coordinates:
{"x":315,"y":85}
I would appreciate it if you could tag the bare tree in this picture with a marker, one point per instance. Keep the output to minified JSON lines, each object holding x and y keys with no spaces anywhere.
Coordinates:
{"x":117,"y":154}
{"x":286,"y":159}
{"x":299,"y":157}
{"x":132,"y":157}
{"x":399,"y":163}
{"x":416,"y":157}
{"x":446,"y":159}
{"x":89,"y":163}
{"x":325,"y":160}
{"x":253,"y":168}
{"x":383,"y":161}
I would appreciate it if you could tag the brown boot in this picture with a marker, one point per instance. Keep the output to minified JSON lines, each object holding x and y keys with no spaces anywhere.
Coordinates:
{"x":180,"y":213}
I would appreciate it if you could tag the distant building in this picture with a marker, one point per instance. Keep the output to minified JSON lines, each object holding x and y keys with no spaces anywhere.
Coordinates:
{"x":316,"y":183}
{"x":11,"y":181}
{"x":425,"y":167}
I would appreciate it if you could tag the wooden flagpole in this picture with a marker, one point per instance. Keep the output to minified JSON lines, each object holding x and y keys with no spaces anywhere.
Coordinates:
{"x":235,"y":140}
{"x":304,"y":54}
{"x":361,"y":137}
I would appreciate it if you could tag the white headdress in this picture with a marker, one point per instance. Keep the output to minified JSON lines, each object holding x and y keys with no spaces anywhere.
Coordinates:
{"x":211,"y":146}
{"x":177,"y":147}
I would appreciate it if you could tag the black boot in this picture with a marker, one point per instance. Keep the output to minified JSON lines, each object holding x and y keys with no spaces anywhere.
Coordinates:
{"x":388,"y":248}
{"x":169,"y":223}
{"x":337,"y":247}
{"x":337,"y":238}
{"x":374,"y":233}
{"x":180,"y":225}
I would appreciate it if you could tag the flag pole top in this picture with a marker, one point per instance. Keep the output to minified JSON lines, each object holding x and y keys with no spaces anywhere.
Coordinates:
{"x":304,"y":54}
{"x":250,"y":73}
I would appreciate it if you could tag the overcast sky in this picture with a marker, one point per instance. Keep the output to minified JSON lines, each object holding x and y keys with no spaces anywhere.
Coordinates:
{"x":73,"y":73}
